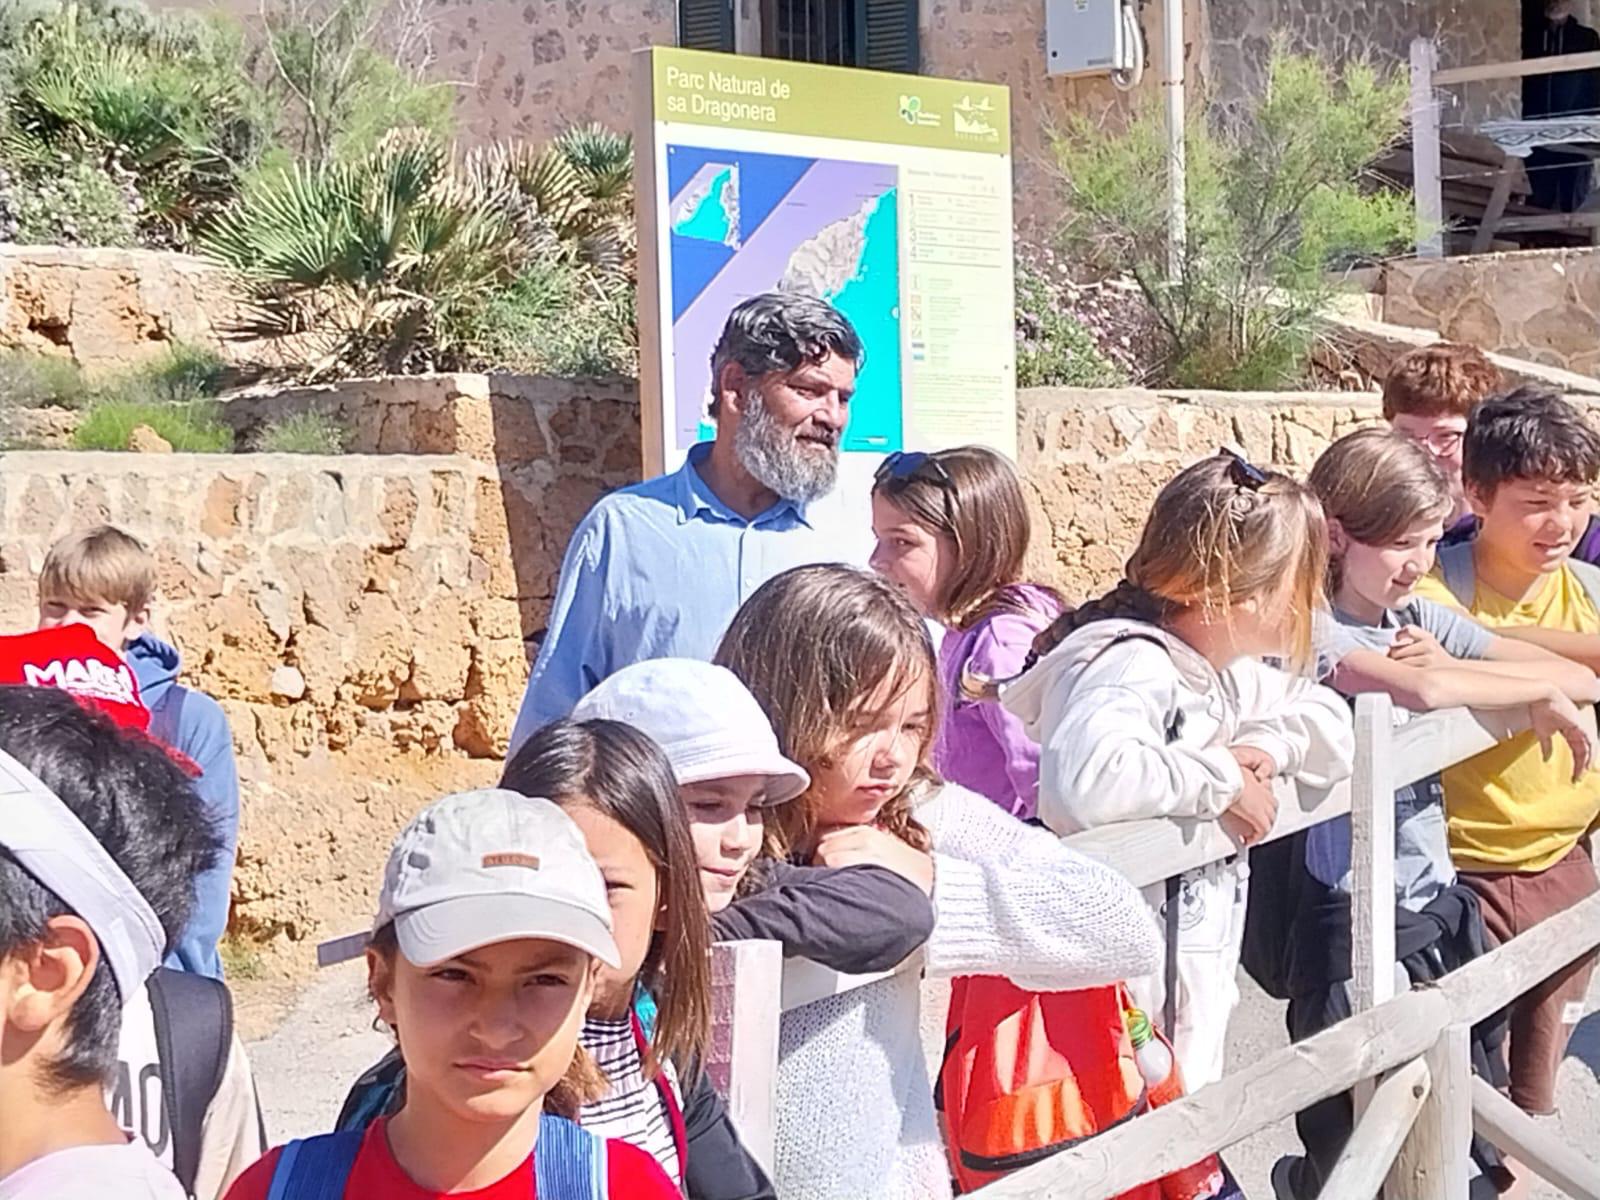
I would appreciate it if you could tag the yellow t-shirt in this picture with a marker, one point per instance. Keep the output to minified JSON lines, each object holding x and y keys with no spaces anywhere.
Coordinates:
{"x":1509,"y":809}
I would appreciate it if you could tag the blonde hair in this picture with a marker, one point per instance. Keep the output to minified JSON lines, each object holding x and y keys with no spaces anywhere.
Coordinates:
{"x":973,"y":495}
{"x":813,"y":644}
{"x":102,"y":565}
{"x":1377,"y":484}
{"x":1221,"y":533}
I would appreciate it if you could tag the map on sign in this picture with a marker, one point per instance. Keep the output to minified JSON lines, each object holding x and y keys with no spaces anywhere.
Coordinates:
{"x":742,"y":223}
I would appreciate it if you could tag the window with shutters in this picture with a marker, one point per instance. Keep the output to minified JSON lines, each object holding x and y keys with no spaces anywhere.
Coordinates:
{"x":881,"y":34}
{"x":706,"y":25}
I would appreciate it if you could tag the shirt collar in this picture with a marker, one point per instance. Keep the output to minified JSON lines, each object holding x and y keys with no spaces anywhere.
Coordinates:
{"x":693,"y":496}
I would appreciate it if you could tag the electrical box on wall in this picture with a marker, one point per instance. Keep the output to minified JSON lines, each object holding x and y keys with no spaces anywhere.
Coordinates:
{"x":1087,"y":37}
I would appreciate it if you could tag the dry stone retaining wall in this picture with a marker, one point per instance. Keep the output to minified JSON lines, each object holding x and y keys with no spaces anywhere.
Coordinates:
{"x":109,"y":309}
{"x":1540,"y":305}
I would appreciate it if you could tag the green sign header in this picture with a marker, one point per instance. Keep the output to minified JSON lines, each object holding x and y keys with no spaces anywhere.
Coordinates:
{"x":737,"y":91}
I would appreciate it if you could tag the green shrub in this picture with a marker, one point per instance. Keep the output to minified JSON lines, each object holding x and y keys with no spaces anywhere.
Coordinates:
{"x":187,"y":372}
{"x":555,"y":318}
{"x":1053,"y":348}
{"x":302,"y":433}
{"x":349,"y":72}
{"x":188,"y":427}
{"x":157,"y":103}
{"x":65,"y":199}
{"x":375,"y":265}
{"x":1272,"y":203}
{"x":42,"y":381}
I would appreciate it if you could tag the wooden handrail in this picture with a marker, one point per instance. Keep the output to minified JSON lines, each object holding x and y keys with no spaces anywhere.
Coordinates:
{"x":1291,"y":1079}
{"x":1519,"y":68}
{"x":1152,"y":850}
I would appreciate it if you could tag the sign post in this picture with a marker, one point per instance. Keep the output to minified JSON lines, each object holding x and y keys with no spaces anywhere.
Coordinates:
{"x":887,"y":195}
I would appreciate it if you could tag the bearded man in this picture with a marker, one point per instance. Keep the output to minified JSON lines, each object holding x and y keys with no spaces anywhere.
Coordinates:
{"x":658,"y":569}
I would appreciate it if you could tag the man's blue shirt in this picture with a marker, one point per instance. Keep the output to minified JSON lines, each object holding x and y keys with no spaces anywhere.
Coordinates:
{"x":656,"y":570}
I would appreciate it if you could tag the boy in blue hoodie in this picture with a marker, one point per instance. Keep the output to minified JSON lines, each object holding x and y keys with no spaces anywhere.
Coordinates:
{"x":105,"y":579}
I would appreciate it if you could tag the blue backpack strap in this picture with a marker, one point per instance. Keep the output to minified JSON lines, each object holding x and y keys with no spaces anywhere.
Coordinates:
{"x":1459,"y":574}
{"x":316,"y":1168}
{"x":569,"y":1163}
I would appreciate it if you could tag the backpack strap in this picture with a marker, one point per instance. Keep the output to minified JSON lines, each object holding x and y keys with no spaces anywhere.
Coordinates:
{"x":200,"y":1011}
{"x":569,"y":1163}
{"x":1589,"y":576}
{"x":375,"y":1094}
{"x":1459,"y":573}
{"x":315,"y":1168}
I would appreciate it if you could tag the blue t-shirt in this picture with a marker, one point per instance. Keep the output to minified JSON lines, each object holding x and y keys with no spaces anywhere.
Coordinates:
{"x":1422,"y":864}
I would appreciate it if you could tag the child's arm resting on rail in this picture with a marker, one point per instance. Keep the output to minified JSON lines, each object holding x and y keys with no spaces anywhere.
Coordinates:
{"x":1010,"y":899}
{"x":1107,"y":757}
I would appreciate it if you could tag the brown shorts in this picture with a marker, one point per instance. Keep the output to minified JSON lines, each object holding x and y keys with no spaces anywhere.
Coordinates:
{"x":1541,"y":1019}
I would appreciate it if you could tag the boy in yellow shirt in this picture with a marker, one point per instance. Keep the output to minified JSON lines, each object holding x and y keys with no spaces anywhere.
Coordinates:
{"x":1519,"y":822}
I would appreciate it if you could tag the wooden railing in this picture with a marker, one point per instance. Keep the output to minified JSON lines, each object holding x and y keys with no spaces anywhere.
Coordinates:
{"x":1406,"y":1056}
{"x":1426,"y":151}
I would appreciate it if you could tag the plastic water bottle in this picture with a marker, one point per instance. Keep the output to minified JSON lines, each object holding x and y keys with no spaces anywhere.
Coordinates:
{"x":1163,"y":1083}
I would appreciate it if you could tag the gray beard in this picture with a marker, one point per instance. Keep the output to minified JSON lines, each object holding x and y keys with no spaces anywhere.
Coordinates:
{"x":776,"y":460}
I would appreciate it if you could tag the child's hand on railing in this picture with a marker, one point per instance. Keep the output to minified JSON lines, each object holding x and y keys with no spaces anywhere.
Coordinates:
{"x":1416,"y":647}
{"x":864,"y":845}
{"x":1555,"y":717}
{"x":1254,"y":761}
{"x":1250,"y":817}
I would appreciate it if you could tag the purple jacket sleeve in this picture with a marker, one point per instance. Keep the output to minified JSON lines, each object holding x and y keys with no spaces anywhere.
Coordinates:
{"x":998,"y":652}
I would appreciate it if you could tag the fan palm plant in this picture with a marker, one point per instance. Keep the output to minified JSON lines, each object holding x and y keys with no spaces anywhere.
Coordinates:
{"x":376,"y":264}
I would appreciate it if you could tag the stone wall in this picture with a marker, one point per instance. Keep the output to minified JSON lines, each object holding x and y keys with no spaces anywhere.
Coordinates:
{"x":1541,"y":305}
{"x":109,"y":309}
{"x":1241,"y":33}
{"x":1092,"y":461}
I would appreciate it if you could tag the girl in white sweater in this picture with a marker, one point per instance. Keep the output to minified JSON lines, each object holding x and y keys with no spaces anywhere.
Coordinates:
{"x":842,"y":664}
{"x":1154,"y":703}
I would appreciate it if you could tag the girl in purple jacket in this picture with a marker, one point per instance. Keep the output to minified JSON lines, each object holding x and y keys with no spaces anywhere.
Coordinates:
{"x":952,"y":530}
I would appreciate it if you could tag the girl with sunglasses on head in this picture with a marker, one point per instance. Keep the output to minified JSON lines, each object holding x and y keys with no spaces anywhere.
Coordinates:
{"x":1153,"y":701}
{"x":952,"y":531}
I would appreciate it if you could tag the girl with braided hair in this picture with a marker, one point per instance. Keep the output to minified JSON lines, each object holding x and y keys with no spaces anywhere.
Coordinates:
{"x":1154,"y":701}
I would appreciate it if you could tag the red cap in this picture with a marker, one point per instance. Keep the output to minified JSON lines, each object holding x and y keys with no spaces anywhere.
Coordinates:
{"x":72,"y":658}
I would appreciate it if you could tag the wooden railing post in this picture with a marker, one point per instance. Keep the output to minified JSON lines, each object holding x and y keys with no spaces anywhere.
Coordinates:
{"x":746,"y":983}
{"x":1425,"y":149}
{"x":1432,"y":1165}
{"x":1372,"y":955}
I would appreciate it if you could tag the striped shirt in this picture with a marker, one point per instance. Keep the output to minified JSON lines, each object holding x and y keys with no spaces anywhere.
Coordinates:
{"x":633,"y":1110}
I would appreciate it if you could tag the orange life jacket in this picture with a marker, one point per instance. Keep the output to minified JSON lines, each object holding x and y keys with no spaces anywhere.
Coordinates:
{"x":1028,"y":1074}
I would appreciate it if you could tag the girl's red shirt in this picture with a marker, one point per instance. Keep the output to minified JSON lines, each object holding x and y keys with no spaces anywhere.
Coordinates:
{"x":630,"y":1172}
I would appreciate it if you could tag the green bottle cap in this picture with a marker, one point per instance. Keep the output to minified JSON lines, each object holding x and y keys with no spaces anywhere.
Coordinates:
{"x":1138,"y":1026}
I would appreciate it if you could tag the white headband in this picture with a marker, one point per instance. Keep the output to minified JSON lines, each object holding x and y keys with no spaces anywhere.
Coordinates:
{"x":57,"y":849}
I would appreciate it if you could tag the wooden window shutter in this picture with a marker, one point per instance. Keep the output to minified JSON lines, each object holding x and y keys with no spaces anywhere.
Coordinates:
{"x":887,"y":31}
{"x":706,"y":25}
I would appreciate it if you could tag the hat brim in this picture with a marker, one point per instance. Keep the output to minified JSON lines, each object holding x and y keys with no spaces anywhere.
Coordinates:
{"x":785,"y":779}
{"x":450,"y":928}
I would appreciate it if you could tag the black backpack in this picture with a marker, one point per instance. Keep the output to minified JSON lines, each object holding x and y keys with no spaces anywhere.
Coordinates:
{"x":194,"y":1033}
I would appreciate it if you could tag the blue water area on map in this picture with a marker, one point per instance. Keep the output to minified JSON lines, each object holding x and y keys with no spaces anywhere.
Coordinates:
{"x":764,"y":180}
{"x":710,"y":220}
{"x":871,"y":299}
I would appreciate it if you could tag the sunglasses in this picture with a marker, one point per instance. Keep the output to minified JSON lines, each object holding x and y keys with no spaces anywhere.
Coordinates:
{"x":908,"y":466}
{"x":1243,"y":472}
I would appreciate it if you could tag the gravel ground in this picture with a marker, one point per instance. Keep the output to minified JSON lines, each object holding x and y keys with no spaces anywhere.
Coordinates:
{"x":324,"y":1040}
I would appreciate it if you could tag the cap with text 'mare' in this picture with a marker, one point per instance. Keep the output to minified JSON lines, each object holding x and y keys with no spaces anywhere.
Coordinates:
{"x":487,"y":866}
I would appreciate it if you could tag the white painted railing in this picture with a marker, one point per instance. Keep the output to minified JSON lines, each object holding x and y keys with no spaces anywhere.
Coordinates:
{"x":1419,"y":1114}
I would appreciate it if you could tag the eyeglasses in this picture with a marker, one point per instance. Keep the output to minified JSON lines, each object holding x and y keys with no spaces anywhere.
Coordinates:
{"x":907,"y":466}
{"x":1243,"y":472}
{"x":1444,"y":442}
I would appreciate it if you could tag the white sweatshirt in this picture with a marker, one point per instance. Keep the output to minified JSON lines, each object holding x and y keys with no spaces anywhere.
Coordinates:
{"x":1133,"y":723}
{"x":855,"y":1104}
